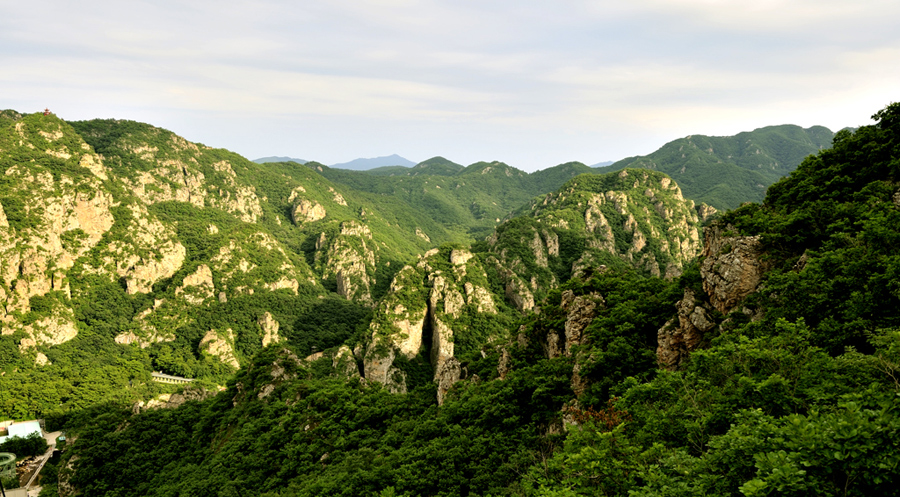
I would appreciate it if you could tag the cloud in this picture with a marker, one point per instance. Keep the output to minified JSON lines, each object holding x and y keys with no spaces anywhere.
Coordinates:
{"x":518,"y":83}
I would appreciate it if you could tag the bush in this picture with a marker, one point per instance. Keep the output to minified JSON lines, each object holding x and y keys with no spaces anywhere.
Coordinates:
{"x":32,"y":445}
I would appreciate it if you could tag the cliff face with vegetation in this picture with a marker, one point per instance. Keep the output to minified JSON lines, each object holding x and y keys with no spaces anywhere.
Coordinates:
{"x":601,"y":341}
{"x":633,"y":218}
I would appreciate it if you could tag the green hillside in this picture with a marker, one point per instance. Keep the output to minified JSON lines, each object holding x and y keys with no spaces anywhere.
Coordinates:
{"x":463,"y":331}
{"x":727,"y":171}
{"x":629,"y":219}
{"x":768,"y":368}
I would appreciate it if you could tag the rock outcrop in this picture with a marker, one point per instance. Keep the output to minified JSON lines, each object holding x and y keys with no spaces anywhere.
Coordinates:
{"x":446,"y":375}
{"x":733,"y":266}
{"x":423,"y":307}
{"x":349,"y":257}
{"x":636,"y":218}
{"x":59,"y":327}
{"x":344,"y":363}
{"x":220,"y":346}
{"x":269,"y":327}
{"x":143,"y":341}
{"x":580,"y":312}
{"x":307,"y":211}
{"x":238,"y":273}
{"x":732,"y":269}
{"x":174,"y":400}
{"x":198,"y":286}
{"x":684,"y":333}
{"x":517,"y":292}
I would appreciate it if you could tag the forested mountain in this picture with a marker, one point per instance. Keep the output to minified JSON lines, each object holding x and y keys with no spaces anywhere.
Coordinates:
{"x":125,"y":249}
{"x":353,"y":334}
{"x":725,"y":171}
{"x":469,"y":200}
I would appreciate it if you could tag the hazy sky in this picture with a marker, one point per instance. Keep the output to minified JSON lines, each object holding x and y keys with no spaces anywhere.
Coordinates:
{"x":531,"y":83}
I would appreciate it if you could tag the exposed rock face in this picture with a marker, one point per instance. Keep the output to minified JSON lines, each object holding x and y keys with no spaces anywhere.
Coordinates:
{"x":234,"y":262}
{"x":66,"y":489}
{"x":220,"y":346}
{"x":442,"y":334}
{"x":141,"y":277}
{"x":733,"y":267}
{"x":173,"y":178}
{"x":198,"y":286}
{"x":307,"y":211}
{"x":404,"y":335}
{"x":344,"y":363}
{"x":480,"y":297}
{"x":283,"y":369}
{"x":460,"y":257}
{"x":580,"y":312}
{"x":130,"y":337}
{"x":446,"y":375}
{"x":579,"y":383}
{"x":518,"y":294}
{"x":706,"y":211}
{"x":69,"y":217}
{"x":379,"y":360}
{"x":637,"y":216}
{"x":55,"y":329}
{"x":269,"y":327}
{"x":503,"y":364}
{"x":677,"y":340}
{"x":350,"y":259}
{"x":153,"y":253}
{"x":422,"y":299}
{"x":70,"y":213}
{"x":175,"y":400}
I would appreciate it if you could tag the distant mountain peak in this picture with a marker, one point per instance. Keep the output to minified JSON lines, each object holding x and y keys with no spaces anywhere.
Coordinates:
{"x":364,"y":164}
{"x":263,"y":160}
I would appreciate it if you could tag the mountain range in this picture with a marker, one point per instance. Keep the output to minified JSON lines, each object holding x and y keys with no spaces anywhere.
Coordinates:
{"x":441,"y":329}
{"x":724,"y":171}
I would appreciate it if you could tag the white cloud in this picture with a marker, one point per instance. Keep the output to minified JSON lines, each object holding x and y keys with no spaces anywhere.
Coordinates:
{"x":521,"y":82}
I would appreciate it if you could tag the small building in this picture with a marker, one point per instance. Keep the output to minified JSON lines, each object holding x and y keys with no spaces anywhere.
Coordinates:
{"x":22,"y":430}
{"x":167,"y":378}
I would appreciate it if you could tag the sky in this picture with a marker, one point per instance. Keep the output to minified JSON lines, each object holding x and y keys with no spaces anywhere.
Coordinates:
{"x":530,"y":83}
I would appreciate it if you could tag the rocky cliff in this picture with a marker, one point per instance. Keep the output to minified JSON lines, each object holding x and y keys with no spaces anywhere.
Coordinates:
{"x":72,"y":214}
{"x":632,"y":218}
{"x":431,"y":307}
{"x":349,"y":256}
{"x":732,"y":268}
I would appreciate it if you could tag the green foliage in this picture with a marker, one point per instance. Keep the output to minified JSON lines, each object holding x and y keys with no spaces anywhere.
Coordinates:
{"x":780,"y":405}
{"x":830,"y":230}
{"x":725,"y":172}
{"x":32,"y":445}
{"x":10,"y":482}
{"x":314,"y":437}
{"x":8,"y":117}
{"x":18,"y":217}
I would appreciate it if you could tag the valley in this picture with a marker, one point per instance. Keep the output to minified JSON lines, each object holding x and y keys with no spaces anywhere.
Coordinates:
{"x":717,"y":317}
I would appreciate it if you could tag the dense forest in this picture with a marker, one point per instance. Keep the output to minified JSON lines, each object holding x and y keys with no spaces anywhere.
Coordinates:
{"x":725,"y":171}
{"x":756,"y":355}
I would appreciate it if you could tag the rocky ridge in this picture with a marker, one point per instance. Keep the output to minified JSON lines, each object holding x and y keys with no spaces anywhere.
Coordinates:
{"x":635,"y":218}
{"x":426,"y":309}
{"x":70,"y":212}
